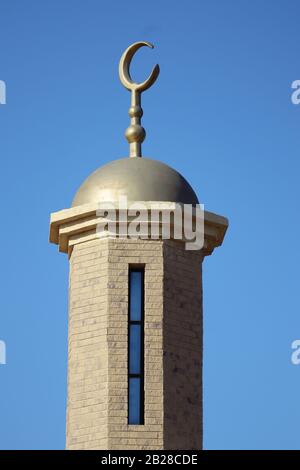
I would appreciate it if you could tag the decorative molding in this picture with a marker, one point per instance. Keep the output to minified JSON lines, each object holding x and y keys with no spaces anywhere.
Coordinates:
{"x":69,"y":227}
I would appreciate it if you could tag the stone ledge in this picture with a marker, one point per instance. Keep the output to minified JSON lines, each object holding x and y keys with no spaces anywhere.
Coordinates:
{"x":79,"y":224}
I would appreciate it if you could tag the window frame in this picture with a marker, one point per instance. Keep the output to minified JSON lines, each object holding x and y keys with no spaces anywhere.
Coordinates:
{"x":141,"y":322}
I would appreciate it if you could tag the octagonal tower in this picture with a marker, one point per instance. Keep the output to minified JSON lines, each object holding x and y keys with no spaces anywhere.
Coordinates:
{"x":135,"y":301}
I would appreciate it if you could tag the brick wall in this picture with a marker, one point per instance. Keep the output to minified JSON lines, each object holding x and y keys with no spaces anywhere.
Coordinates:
{"x":97,"y":375}
{"x":182,"y":344}
{"x":88,"y":353}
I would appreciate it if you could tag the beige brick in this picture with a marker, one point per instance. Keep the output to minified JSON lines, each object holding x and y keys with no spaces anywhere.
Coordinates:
{"x":97,"y":373}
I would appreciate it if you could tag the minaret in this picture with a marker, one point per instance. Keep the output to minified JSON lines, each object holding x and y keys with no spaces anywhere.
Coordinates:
{"x":135,"y":300}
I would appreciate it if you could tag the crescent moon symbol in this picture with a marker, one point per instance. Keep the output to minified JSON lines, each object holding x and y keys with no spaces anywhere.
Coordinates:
{"x":124,"y":66}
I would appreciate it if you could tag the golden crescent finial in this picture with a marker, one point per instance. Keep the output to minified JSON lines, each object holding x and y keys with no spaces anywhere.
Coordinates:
{"x":124,"y":67}
{"x":135,"y":134}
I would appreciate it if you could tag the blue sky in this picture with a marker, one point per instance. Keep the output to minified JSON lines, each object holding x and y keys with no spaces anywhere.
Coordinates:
{"x":221,"y":114}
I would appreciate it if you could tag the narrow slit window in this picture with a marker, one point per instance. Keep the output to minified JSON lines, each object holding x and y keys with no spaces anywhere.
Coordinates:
{"x":136,"y":346}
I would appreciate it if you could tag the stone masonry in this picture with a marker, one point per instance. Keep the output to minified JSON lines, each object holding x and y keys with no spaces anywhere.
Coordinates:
{"x":97,"y":408}
{"x":98,"y":316}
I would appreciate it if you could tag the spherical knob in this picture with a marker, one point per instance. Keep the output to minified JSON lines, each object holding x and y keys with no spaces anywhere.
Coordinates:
{"x":135,"y":133}
{"x":135,"y":111}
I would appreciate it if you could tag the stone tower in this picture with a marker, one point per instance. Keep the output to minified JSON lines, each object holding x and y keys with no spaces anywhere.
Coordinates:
{"x":135,"y":302}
